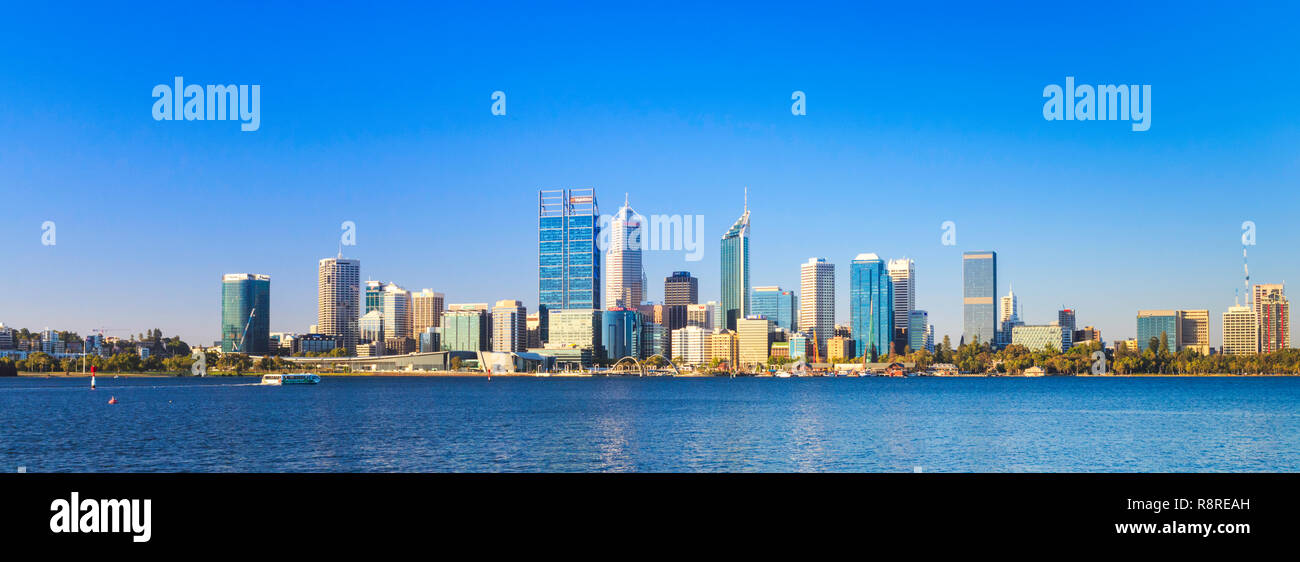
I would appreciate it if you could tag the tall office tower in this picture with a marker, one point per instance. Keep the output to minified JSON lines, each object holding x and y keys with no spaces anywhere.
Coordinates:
{"x":754,"y":341}
{"x":371,"y":326}
{"x":509,"y":326}
{"x":624,"y":276}
{"x":1009,"y":309}
{"x":1196,"y":331}
{"x":723,"y":346}
{"x":338,"y":300}
{"x":397,"y":312}
{"x":1065,"y":319}
{"x":681,"y":289}
{"x":568,"y":259}
{"x":621,"y":332}
{"x":374,"y":296}
{"x":1274,"y":322}
{"x":903,"y":273}
{"x":871,"y":305}
{"x":1276,"y":328}
{"x":534,"y":326}
{"x":735,"y":270}
{"x":817,"y":300}
{"x":1155,"y":323}
{"x":245,"y":313}
{"x":692,"y":345}
{"x":781,"y":307}
{"x":917,"y":321}
{"x":699,"y":315}
{"x":466,"y":328}
{"x":578,"y":328}
{"x":979,"y":277}
{"x":1240,"y":333}
{"x":426,"y":310}
{"x":929,"y":338}
{"x":1008,"y":317}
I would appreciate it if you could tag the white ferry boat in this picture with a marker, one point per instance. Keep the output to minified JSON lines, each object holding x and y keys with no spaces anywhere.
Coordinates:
{"x":291,"y":378}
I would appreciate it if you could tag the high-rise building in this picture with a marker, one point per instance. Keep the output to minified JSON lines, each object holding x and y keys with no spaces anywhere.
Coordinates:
{"x":754,"y":340}
{"x":929,"y":338}
{"x":371,"y":325}
{"x":1240,"y":333}
{"x":979,"y":276}
{"x":724,"y":348}
{"x":1196,"y":331}
{"x":338,"y":300}
{"x":692,"y":345}
{"x":426,"y":310}
{"x":839,"y":347}
{"x":509,"y":326}
{"x":624,"y":276}
{"x":917,"y":323}
{"x":621,"y":333}
{"x":568,"y":257}
{"x":817,"y":300}
{"x":467,"y":327}
{"x":534,"y":326}
{"x":1008,"y":309}
{"x":871,"y":305}
{"x":681,"y":288}
{"x":1273,"y":321}
{"x":397,"y":312}
{"x":735,"y":270}
{"x":579,"y":328}
{"x":903,"y":274}
{"x":654,"y":339}
{"x":779,"y":306}
{"x":700,"y":315}
{"x":1065,"y":318}
{"x":1155,"y":323}
{"x":246,"y":313}
{"x":801,"y":347}
{"x":1272,"y":316}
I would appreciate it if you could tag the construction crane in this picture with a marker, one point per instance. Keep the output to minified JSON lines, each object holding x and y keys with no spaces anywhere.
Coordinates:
{"x":239,"y":348}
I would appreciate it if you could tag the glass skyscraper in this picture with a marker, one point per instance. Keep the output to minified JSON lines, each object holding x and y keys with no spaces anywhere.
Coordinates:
{"x":568,"y":259}
{"x":245,"y":313}
{"x":777,"y":305}
{"x":1154,"y":323}
{"x":871,"y":305}
{"x":735,"y":270}
{"x":621,"y":333}
{"x":979,"y":277}
{"x":918,"y":322}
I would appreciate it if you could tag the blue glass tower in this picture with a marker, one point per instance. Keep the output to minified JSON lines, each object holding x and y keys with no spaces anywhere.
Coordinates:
{"x":871,"y":305}
{"x":979,"y":278}
{"x":567,"y":257}
{"x":245,"y":313}
{"x":777,"y":305}
{"x":735,"y":270}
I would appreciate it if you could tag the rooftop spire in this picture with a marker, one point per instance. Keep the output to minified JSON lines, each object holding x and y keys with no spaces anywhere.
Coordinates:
{"x":746,"y":199}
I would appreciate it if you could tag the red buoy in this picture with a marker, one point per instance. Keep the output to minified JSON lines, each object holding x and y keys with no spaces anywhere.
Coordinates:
{"x":112,"y":400}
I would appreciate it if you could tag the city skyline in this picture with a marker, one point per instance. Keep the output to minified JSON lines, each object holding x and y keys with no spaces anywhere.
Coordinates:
{"x":1143,"y":216}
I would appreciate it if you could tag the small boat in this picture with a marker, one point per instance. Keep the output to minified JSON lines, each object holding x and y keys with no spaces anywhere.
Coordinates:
{"x":291,"y":378}
{"x":782,"y":375}
{"x":112,"y":400}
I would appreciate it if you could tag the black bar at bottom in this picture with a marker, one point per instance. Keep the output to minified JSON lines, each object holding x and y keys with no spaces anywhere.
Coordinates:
{"x":314,"y":511}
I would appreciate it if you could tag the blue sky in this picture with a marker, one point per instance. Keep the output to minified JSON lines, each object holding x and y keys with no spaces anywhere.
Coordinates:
{"x":381,"y":115}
